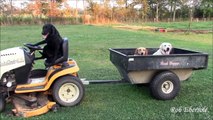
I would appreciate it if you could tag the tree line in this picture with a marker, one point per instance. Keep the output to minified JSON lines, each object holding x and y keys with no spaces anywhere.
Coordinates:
{"x":104,"y":11}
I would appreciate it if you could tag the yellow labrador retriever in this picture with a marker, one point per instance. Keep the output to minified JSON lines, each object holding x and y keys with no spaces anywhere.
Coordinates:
{"x":165,"y":49}
{"x":141,"y":51}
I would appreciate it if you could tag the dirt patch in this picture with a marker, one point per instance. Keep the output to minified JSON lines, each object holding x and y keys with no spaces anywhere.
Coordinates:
{"x":193,"y":31}
{"x":150,"y":28}
{"x":136,"y":28}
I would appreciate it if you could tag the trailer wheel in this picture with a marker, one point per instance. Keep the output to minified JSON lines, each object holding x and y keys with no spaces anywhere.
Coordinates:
{"x":68,"y":91}
{"x":2,"y":103}
{"x":165,"y":86}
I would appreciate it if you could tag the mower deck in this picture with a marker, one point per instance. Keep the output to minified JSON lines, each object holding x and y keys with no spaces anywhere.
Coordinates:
{"x":26,"y":106}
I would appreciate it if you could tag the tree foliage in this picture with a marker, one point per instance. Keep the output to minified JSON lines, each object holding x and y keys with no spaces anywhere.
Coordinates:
{"x":100,"y":11}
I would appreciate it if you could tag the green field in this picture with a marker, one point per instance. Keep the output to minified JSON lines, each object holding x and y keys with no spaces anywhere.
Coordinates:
{"x":183,"y":25}
{"x":89,"y":47}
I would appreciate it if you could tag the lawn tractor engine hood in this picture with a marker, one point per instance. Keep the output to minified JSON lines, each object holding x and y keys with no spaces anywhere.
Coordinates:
{"x":10,"y":59}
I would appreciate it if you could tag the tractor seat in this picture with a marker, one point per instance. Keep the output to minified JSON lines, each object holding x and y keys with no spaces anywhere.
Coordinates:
{"x":65,"y":50}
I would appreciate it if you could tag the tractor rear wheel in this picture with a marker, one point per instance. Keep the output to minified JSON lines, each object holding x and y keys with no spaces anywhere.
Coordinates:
{"x":68,"y":91}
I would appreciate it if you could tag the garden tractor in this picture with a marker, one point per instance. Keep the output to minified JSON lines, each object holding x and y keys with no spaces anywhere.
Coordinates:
{"x":36,"y":91}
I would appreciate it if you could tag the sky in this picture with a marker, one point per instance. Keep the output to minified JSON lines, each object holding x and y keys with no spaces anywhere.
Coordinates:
{"x":72,"y":3}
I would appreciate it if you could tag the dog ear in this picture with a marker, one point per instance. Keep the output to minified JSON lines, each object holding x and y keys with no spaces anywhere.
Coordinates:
{"x":53,"y":30}
{"x":171,"y":50}
{"x":136,"y":51}
{"x":146,"y":52}
{"x":161,"y":47}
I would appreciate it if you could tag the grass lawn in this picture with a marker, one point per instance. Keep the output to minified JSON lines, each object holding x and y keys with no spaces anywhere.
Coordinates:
{"x":183,"y":25}
{"x":89,"y":47}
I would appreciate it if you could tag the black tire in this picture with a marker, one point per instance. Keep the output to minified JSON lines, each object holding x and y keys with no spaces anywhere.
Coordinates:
{"x":2,"y":103}
{"x":165,"y":86}
{"x":72,"y":86}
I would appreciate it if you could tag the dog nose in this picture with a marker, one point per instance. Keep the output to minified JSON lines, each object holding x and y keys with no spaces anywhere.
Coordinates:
{"x":167,"y":49}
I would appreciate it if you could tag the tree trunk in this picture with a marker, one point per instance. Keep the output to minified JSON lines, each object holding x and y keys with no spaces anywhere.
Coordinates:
{"x":157,"y":14}
{"x":190,"y":20}
{"x":190,"y":14}
{"x":126,"y":4}
{"x":203,"y":14}
{"x":11,"y":11}
{"x":76,"y":12}
{"x":112,"y":13}
{"x":174,"y":12}
{"x":171,"y":9}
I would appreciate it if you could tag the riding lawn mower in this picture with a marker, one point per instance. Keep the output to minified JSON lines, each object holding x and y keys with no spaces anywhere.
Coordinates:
{"x":36,"y":91}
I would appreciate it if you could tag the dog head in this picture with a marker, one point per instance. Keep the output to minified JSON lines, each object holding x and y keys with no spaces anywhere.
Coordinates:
{"x":48,"y":30}
{"x":141,"y":51}
{"x":165,"y":48}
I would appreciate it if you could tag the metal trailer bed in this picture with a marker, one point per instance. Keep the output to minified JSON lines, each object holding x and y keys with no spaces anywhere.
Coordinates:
{"x":163,"y":72}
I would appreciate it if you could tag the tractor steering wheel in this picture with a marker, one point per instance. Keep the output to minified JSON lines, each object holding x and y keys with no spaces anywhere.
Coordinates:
{"x":32,"y":47}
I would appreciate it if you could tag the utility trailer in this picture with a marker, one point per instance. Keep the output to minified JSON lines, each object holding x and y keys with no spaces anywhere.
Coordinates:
{"x":162,"y":72}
